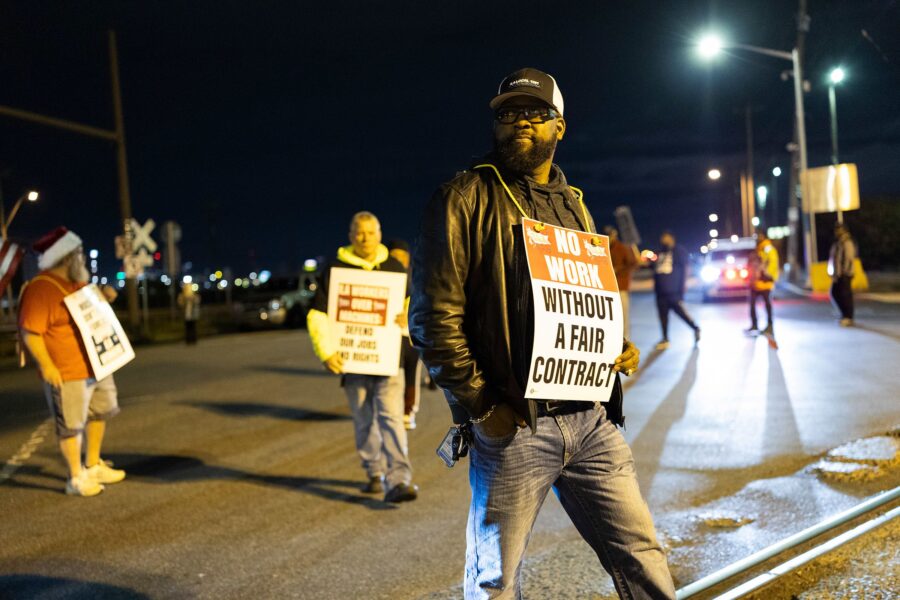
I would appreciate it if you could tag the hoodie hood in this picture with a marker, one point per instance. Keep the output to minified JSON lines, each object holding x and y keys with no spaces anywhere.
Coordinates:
{"x":346,"y":255}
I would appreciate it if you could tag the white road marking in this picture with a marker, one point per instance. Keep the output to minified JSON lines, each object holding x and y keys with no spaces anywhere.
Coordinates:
{"x":26,"y":450}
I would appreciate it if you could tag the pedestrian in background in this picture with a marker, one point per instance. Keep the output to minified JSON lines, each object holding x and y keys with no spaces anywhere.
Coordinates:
{"x":412,"y":366}
{"x":189,"y":301}
{"x":79,"y":404}
{"x":764,"y":269}
{"x":376,"y":402}
{"x":471,"y":316}
{"x":625,"y":261}
{"x":670,"y":273}
{"x":841,"y":267}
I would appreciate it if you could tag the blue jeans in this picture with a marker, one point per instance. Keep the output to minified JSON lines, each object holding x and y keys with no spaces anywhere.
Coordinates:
{"x":376,"y":404}
{"x":585,"y":459}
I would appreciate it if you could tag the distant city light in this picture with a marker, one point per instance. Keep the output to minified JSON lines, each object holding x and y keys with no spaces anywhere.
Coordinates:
{"x":713,"y":244}
{"x":195,"y":287}
{"x":238,"y":282}
{"x":95,"y":279}
{"x":709,"y":45}
{"x":704,"y":249}
{"x":218,"y":274}
{"x":120,"y":275}
{"x":776,"y":171}
{"x":762,"y":192}
{"x":103,"y":280}
{"x":223,"y":284}
{"x":187,"y":279}
{"x":212,"y":276}
{"x":734,"y":238}
{"x":755,"y":221}
{"x":94,"y":253}
{"x":713,"y":218}
{"x":32,"y":196}
{"x":264,"y":276}
{"x":121,"y":283}
{"x":253,"y":275}
{"x":837,"y":75}
{"x":713,"y":233}
{"x":714,"y":174}
{"x":310,"y":264}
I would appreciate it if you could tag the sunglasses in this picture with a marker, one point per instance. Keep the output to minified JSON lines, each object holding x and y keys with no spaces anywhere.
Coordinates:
{"x":532,"y":114}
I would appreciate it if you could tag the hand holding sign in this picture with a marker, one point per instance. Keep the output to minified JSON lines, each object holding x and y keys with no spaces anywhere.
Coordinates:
{"x":628,"y":361}
{"x":335,"y":363}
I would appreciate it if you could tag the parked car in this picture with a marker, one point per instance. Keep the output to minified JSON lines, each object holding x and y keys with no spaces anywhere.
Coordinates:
{"x":280,"y":302}
{"x":725,"y":269}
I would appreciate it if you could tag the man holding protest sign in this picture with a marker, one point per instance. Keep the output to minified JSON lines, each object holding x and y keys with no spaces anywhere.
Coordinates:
{"x":516,"y":312}
{"x":80,"y":400}
{"x":353,"y":334}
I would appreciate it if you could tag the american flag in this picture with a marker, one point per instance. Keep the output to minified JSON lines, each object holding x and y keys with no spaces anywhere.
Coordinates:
{"x":10,"y":256}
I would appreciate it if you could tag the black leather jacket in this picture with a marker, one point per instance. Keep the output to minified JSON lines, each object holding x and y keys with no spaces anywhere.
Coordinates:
{"x":471,"y":298}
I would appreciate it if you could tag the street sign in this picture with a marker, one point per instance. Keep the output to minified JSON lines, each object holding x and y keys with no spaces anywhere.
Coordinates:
{"x":132,"y":267}
{"x":122,"y":249}
{"x":142,"y":235}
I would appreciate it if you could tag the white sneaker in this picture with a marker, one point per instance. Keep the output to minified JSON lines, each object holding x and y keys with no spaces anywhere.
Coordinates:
{"x":83,"y":486}
{"x":409,"y":421}
{"x":103,"y":473}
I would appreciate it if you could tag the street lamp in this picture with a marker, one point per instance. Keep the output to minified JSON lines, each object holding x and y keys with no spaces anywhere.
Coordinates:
{"x":30,"y":195}
{"x":713,"y":218}
{"x":835,"y":77}
{"x":714,"y":174}
{"x":709,"y":46}
{"x":776,"y":172}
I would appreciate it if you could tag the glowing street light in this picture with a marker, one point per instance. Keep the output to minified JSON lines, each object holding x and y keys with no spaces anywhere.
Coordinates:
{"x":836,"y":75}
{"x":762,"y":192}
{"x":776,"y":171}
{"x":713,"y":218}
{"x":30,"y":195}
{"x":709,"y":45}
{"x":755,"y":221}
{"x":713,"y":233}
{"x":714,"y":174}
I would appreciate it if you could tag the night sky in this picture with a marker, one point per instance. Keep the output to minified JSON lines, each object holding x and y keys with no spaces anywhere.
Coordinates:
{"x":261,"y":127}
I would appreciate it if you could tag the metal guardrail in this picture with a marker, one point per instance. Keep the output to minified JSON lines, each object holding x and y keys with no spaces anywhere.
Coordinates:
{"x":788,"y":543}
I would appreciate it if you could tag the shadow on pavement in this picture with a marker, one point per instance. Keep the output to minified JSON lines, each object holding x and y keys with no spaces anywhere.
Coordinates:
{"x":250,"y":409}
{"x":41,"y":586}
{"x":870,"y":329}
{"x":167,"y":468}
{"x":782,"y":435}
{"x":670,"y":411}
{"x":299,"y":371}
{"x":645,"y":364}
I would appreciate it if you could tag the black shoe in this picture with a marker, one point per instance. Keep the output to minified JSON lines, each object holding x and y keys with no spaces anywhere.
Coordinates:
{"x":375,"y":486}
{"x":402,"y":492}
{"x":696,"y":335}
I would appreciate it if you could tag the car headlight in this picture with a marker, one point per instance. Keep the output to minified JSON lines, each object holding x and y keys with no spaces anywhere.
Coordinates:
{"x":709,"y":273}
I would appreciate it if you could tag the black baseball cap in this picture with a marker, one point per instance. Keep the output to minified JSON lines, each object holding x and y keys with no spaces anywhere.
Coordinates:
{"x":529,"y":82}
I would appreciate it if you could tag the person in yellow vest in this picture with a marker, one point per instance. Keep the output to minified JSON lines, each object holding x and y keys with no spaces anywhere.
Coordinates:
{"x":763,"y":270}
{"x":80,"y":405}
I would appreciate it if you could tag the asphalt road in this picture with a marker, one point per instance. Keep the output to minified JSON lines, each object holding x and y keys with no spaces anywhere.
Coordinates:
{"x":243,"y":481}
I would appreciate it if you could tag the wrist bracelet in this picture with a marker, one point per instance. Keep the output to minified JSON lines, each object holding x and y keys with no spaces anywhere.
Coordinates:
{"x":485,"y":416}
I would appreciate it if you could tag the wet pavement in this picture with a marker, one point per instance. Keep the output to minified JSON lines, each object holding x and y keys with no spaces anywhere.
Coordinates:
{"x":243,"y":481}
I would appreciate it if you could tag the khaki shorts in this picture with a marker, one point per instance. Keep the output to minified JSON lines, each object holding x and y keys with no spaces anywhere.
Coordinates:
{"x":80,"y":401}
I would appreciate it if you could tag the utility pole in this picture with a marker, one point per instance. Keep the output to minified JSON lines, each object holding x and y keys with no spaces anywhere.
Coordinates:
{"x":118,"y":137}
{"x":797,"y":220}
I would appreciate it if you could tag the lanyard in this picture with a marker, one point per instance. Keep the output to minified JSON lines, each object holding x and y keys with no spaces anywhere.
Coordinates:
{"x":578,"y":192}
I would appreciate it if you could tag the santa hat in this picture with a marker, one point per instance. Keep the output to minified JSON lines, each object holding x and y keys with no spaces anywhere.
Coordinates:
{"x":55,"y":246}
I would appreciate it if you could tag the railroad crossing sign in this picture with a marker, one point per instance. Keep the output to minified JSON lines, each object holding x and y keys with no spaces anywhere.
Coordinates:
{"x":142,"y":236}
{"x":136,"y":255}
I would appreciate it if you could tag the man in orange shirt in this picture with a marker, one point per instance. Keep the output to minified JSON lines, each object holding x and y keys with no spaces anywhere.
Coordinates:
{"x":79,"y":404}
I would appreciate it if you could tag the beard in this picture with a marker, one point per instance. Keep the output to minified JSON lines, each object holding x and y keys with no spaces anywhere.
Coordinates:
{"x":78,"y":272}
{"x":524,"y":161}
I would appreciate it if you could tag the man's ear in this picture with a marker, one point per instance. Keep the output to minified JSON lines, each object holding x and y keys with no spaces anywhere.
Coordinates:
{"x":560,"y":128}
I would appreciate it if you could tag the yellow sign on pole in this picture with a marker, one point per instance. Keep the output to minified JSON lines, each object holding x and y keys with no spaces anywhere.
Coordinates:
{"x":834,"y":188}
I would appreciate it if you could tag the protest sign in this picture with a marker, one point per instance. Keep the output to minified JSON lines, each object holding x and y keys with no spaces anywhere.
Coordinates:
{"x":107,"y":346}
{"x":577,"y":314}
{"x":362,"y":309}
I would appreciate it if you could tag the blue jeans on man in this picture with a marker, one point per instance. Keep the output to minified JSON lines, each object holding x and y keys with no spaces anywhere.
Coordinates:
{"x":586,"y":461}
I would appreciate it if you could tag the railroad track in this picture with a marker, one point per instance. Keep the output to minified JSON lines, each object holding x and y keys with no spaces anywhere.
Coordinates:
{"x":764,"y":568}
